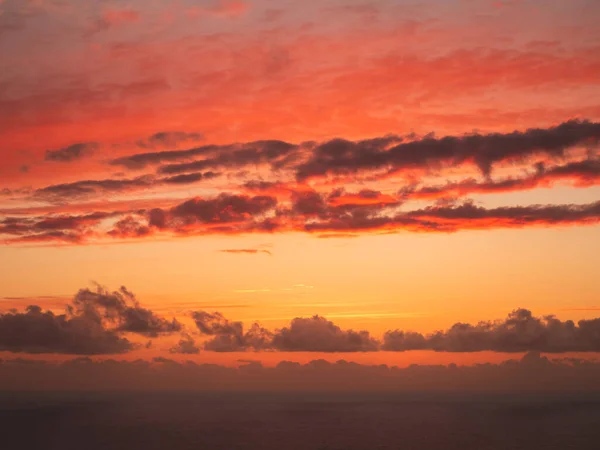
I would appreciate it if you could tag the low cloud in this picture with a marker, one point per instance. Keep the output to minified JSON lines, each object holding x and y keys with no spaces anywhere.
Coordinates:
{"x":94,"y":323}
{"x":314,"y":334}
{"x":317,"y":334}
{"x":36,"y":331}
{"x":186,"y":346}
{"x":521,"y":331}
{"x":123,"y":310}
{"x":229,"y":336}
{"x":531,"y":373}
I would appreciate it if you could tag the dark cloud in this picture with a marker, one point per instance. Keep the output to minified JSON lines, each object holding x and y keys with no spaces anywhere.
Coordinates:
{"x":130,"y":227}
{"x":317,"y":334}
{"x":582,"y":173}
{"x":229,"y":336}
{"x":578,"y":173}
{"x":342,"y":156}
{"x":89,"y":188}
{"x":50,"y":237}
{"x":36,"y":331}
{"x":468,"y":214}
{"x":458,"y":217}
{"x":169,"y":138}
{"x":253,"y":153}
{"x":309,"y":211}
{"x":72,"y":153}
{"x":308,"y":203}
{"x":92,"y":324}
{"x":236,"y":211}
{"x":141,"y":160}
{"x":185,"y":346}
{"x":392,"y":153}
{"x":256,"y":185}
{"x":65,"y":228}
{"x":189,"y":178}
{"x":215,"y":323}
{"x":345,"y":157}
{"x":122,"y":309}
{"x":216,"y":156}
{"x":531,"y":373}
{"x":519,"y":332}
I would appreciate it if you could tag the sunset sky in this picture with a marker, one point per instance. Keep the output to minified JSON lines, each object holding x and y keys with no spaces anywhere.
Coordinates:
{"x":351,"y":175}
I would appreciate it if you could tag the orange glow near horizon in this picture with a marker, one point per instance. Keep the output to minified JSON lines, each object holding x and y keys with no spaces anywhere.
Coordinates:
{"x":402,"y":168}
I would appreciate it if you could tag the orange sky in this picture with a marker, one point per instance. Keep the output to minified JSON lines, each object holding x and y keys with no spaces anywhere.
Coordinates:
{"x":386,"y":165}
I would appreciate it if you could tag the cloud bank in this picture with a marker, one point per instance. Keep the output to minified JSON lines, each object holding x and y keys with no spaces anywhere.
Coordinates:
{"x":333,"y":187}
{"x":100,"y":322}
{"x":532,"y":373}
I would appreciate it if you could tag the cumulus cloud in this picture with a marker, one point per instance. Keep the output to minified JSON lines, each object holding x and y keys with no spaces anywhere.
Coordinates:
{"x":36,"y":331}
{"x":314,"y":334}
{"x":317,"y":334}
{"x":186,"y":346}
{"x":122,"y":309}
{"x":96,"y":320}
{"x":229,"y":336}
{"x":521,"y":331}
{"x":93,"y":324}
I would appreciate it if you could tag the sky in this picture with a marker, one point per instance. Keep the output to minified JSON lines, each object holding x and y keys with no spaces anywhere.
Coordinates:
{"x":391,"y":182}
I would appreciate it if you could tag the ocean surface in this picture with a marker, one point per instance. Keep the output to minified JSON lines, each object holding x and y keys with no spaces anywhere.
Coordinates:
{"x":167,"y":421}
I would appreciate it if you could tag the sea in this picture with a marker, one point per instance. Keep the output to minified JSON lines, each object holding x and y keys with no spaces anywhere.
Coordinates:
{"x":230,"y":421}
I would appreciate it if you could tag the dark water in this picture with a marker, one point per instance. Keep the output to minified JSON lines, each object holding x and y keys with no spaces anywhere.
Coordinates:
{"x":236,"y":421}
